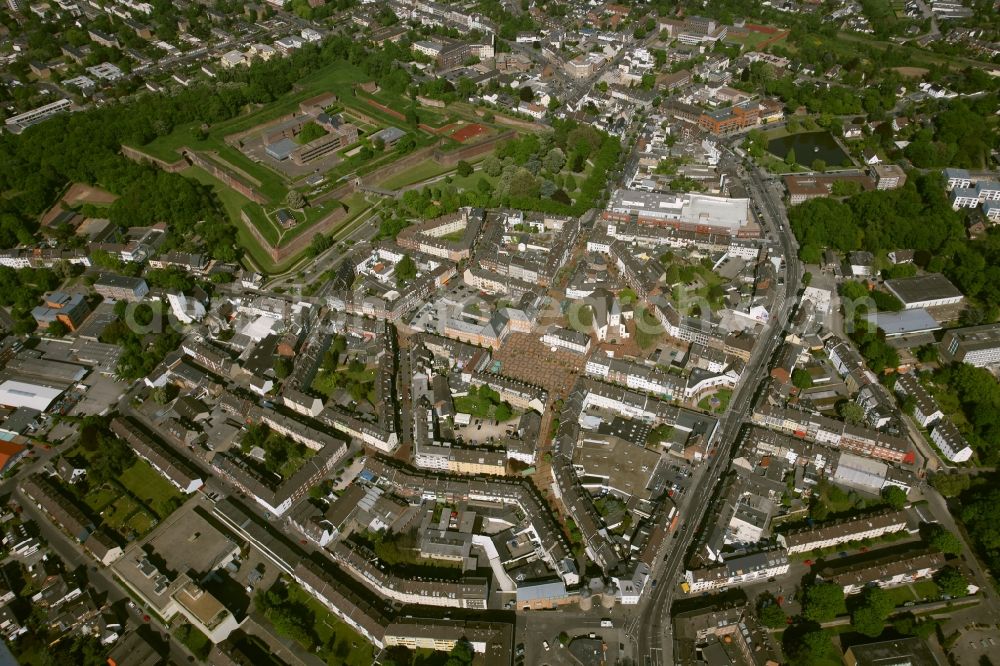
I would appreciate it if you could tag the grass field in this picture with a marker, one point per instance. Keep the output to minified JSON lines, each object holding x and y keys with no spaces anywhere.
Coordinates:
{"x":752,"y":39}
{"x":420,"y":172}
{"x":336,"y":639}
{"x":233,"y":202}
{"x":99,"y":498}
{"x":194,"y":640}
{"x":328,"y":383}
{"x":926,"y":589}
{"x":117,"y":513}
{"x":723,"y":395}
{"x":147,"y":484}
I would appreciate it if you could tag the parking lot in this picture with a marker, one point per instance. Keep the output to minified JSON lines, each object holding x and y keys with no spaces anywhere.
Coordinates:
{"x":536,"y":628}
{"x":480,"y":431}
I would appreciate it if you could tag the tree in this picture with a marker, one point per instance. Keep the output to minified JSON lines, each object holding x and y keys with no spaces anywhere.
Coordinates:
{"x":927,"y":353}
{"x":870,"y":614}
{"x":940,"y":538}
{"x":164,"y":394}
{"x":460,"y":655}
{"x":818,"y":165}
{"x":807,"y":279}
{"x":801,"y":378}
{"x":463,"y":168}
{"x":294,"y":199}
{"x":950,"y":485}
{"x":282,"y":367}
{"x":894,"y":496}
{"x":554,"y":160}
{"x":503,"y":412}
{"x":951,"y":582}
{"x":790,"y":157}
{"x":772,"y":616}
{"x":57,"y":329}
{"x":492,"y":166}
{"x":851,"y":412}
{"x":823,"y":602}
{"x":806,"y":645}
{"x":406,"y":270}
{"x":526,"y":94}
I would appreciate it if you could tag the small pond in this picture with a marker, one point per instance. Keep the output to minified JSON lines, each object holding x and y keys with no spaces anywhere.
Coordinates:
{"x":810,"y":146}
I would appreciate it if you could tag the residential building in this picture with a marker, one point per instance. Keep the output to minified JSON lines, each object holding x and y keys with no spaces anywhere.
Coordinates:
{"x":563,"y":338}
{"x":859,"y":440}
{"x":737,"y":571}
{"x":925,"y":408}
{"x":121,"y":287}
{"x":872,"y":526}
{"x":888,"y":176}
{"x":975,"y":345}
{"x":950,"y":440}
{"x":18,"y":123}
{"x":889,"y":570}
{"x":177,"y":469}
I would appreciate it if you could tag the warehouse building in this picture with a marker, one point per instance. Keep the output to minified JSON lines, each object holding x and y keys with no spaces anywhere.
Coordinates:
{"x":22,"y":394}
{"x":924,"y":291}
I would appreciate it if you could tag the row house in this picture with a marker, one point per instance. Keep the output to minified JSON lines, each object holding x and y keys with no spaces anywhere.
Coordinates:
{"x":737,"y":571}
{"x":872,"y":526}
{"x":887,"y":571}
{"x":831,"y":432}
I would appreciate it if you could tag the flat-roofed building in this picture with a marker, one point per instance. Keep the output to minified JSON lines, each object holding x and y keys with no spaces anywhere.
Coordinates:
{"x":164,"y":569}
{"x":23,"y":394}
{"x":975,"y":345}
{"x":691,"y":212}
{"x":924,"y":291}
{"x":121,"y":287}
{"x":908,"y":650}
{"x":907,"y":322}
{"x":888,"y":176}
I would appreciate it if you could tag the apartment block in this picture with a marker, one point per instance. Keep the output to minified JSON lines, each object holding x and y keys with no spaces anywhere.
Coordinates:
{"x":925,"y":408}
{"x":872,"y":526}
{"x":950,"y":440}
{"x":887,"y":571}
{"x":738,"y":571}
{"x":975,"y":345}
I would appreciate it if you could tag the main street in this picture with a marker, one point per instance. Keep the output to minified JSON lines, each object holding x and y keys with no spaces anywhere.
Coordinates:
{"x":654,"y":641}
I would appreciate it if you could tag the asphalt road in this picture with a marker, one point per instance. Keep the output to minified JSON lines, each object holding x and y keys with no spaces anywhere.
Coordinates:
{"x":654,"y":640}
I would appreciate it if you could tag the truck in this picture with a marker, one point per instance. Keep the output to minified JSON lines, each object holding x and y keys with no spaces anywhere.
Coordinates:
{"x":607,"y":624}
